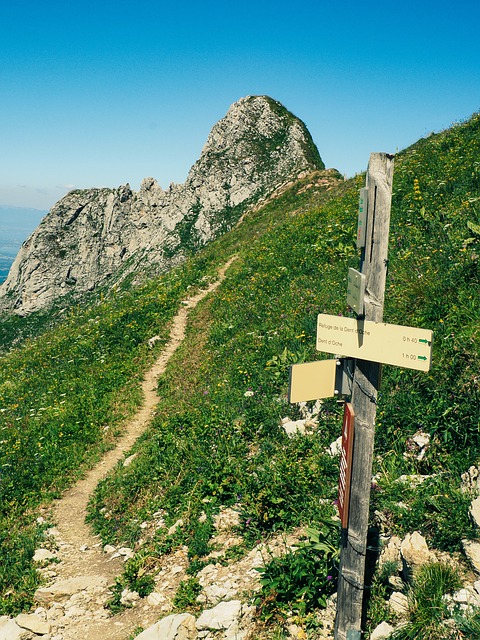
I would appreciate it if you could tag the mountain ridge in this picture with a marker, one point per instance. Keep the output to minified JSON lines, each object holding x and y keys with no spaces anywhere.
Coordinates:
{"x":98,"y":236}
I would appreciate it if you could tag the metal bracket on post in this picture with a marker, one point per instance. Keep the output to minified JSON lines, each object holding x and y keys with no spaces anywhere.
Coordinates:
{"x":343,"y":376}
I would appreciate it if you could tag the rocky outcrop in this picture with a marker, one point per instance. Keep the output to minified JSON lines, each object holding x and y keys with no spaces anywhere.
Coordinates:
{"x":96,"y":237}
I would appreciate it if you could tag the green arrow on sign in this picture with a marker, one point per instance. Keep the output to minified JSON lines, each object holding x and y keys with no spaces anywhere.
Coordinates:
{"x":422,"y":358}
{"x":424,"y":341}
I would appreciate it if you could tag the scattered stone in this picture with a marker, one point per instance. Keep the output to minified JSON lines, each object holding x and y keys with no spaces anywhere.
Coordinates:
{"x":466,"y":596}
{"x":293,"y":427}
{"x":471,"y":480}
{"x":396,"y":582}
{"x":383,"y":631}
{"x":310,"y":414}
{"x":129,"y":598}
{"x":413,"y":480}
{"x":227,"y":519}
{"x":155,"y":599}
{"x":153,"y":340}
{"x":55,"y":612}
{"x":9,"y":629}
{"x":391,"y":552}
{"x":474,"y":511}
{"x":417,"y":445}
{"x":108,"y":548}
{"x":74,"y":612}
{"x":33,"y":623}
{"x":174,"y":627}
{"x":43,"y":555}
{"x":415,"y":551}
{"x":126,"y":552}
{"x":61,"y":591}
{"x":214,"y":594}
{"x":128,"y":461}
{"x":335,"y":449}
{"x":472,"y":551}
{"x":399,"y":603}
{"x":220,"y":617}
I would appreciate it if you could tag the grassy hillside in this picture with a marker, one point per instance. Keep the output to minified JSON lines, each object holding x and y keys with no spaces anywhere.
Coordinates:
{"x":216,"y":439}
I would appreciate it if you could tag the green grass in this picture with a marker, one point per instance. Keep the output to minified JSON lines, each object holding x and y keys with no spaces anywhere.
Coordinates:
{"x":216,"y":438}
{"x":429,"y":611}
{"x":64,"y":396}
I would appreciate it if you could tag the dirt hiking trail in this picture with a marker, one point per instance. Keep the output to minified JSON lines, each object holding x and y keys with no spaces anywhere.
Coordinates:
{"x":80,"y":553}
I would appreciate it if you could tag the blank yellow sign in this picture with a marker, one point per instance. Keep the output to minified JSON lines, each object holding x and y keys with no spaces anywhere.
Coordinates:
{"x":312,"y":380}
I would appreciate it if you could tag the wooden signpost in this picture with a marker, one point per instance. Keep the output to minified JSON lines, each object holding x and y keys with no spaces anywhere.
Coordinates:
{"x":371,"y":343}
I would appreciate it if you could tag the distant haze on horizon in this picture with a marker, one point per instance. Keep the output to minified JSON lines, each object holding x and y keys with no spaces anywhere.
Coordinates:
{"x":16,"y":225}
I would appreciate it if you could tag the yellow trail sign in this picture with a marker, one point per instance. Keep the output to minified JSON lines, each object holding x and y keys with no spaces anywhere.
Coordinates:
{"x":312,"y":380}
{"x":375,"y":341}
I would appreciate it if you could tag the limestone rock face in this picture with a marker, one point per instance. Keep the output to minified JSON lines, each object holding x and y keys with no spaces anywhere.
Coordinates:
{"x":96,"y":237}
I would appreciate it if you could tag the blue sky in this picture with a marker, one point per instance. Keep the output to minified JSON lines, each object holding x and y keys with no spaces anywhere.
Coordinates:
{"x":103,"y":93}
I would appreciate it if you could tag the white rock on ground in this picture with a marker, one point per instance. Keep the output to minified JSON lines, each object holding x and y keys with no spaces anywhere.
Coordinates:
{"x":174,"y":627}
{"x":383,"y":631}
{"x":9,"y":629}
{"x":63,"y":590}
{"x":391,"y":552}
{"x":33,"y":623}
{"x":472,"y":551}
{"x":415,"y":551}
{"x":475,"y":511}
{"x":43,"y":555}
{"x":335,"y":448}
{"x":399,"y":603}
{"x":220,"y":617}
{"x":468,"y":596}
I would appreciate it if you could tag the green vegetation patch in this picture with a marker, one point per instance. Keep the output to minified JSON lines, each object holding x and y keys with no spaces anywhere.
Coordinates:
{"x":216,"y":439}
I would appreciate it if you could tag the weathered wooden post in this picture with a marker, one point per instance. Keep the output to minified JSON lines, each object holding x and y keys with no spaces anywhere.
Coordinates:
{"x":370,"y":342}
{"x":374,"y":262}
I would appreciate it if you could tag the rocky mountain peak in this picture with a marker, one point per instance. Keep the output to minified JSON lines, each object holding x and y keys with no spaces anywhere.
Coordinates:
{"x":97,"y":236}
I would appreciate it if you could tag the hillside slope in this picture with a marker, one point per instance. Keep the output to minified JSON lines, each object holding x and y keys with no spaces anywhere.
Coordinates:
{"x":216,"y":439}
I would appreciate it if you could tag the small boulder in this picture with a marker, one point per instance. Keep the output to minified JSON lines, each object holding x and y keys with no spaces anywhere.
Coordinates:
{"x":220,"y":617}
{"x":292,"y":427}
{"x":63,"y":590}
{"x":474,"y":511}
{"x":383,"y":631}
{"x":178,"y":524}
{"x":33,"y":623}
{"x":399,"y":603}
{"x":391,"y":553}
{"x":174,"y":627}
{"x":9,"y":629}
{"x":472,"y":551}
{"x":129,"y":598}
{"x":415,"y":551}
{"x":43,"y":555}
